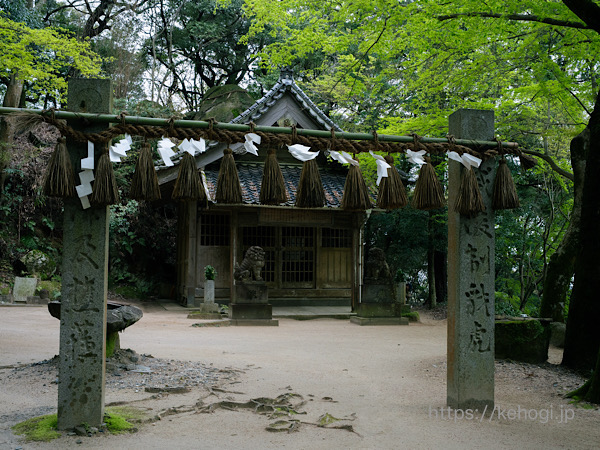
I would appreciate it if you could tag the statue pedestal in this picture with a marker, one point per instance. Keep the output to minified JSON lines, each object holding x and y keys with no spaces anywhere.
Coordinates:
{"x":251,"y":306}
{"x":378,"y":306}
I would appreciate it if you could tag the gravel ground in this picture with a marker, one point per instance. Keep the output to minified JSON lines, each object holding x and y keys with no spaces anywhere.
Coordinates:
{"x":388,"y":382}
{"x":128,"y":370}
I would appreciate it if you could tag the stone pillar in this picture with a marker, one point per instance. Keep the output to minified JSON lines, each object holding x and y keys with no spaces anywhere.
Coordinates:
{"x":84,"y":280}
{"x":471,"y":277}
{"x":192,"y":252}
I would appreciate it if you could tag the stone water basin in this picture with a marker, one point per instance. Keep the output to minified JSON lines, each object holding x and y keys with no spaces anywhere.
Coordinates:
{"x":118,"y":317}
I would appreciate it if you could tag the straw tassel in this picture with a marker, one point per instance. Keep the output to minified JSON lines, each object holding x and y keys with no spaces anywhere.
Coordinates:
{"x":272,"y":189}
{"x":505,"y":193}
{"x":392,"y":194}
{"x":428,"y":189}
{"x":356,"y":194}
{"x":105,"y":185}
{"x":310,"y":192}
{"x":144,"y":184}
{"x":189,"y":185}
{"x":527,"y":162}
{"x":469,"y":201}
{"x":60,"y":178}
{"x":228,"y":182}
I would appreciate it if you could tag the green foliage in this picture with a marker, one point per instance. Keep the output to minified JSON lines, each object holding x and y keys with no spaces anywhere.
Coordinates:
{"x":18,"y":11}
{"x":38,"y":428}
{"x":135,"y":271}
{"x":28,"y":220}
{"x":403,"y":235}
{"x":42,"y":57}
{"x":210,"y":273}
{"x":528,"y":236}
{"x":506,"y":305}
{"x":52,"y":286}
{"x":202,"y":40}
{"x":400,"y":276}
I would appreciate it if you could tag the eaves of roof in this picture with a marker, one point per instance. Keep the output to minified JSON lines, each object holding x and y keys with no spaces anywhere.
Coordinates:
{"x":251,"y":178}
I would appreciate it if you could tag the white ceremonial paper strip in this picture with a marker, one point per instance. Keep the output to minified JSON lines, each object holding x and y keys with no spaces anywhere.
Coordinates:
{"x":416,"y":157}
{"x":113,"y":156}
{"x":166,"y":154}
{"x":251,"y":148}
{"x":350,"y":159}
{"x":470,"y":160}
{"x":301,"y":152}
{"x":86,"y":176}
{"x":166,"y":142}
{"x":455,"y":156}
{"x":120,"y":149}
{"x":164,"y":149}
{"x":85,"y":202}
{"x":200,"y":145}
{"x":337,"y":157}
{"x":187,"y":146}
{"x":252,"y":138}
{"x":88,"y":163}
{"x":205,"y":183}
{"x":83,"y":190}
{"x":123,"y":146}
{"x":382,"y":166}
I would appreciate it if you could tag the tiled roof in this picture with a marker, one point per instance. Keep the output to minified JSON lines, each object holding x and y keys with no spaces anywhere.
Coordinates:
{"x":286,"y":83}
{"x":251,"y":178}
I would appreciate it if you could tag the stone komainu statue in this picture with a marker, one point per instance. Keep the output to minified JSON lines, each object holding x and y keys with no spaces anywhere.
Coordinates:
{"x":251,"y":265}
{"x":376,"y":268}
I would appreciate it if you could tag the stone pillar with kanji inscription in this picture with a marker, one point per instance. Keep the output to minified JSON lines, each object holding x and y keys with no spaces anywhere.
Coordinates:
{"x":81,"y":367}
{"x":471,"y":277}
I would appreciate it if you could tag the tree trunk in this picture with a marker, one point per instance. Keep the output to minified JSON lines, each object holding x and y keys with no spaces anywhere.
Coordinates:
{"x":582,"y":339}
{"x":432,"y":297}
{"x":440,"y":262}
{"x":590,"y":391}
{"x":593,"y":393}
{"x":12,"y":99}
{"x":561,"y":266}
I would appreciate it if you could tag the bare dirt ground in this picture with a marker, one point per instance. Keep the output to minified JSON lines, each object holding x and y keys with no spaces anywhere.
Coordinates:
{"x":386,"y":383}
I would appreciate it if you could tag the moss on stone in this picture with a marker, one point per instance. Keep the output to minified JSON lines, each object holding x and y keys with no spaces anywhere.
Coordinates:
{"x":128,"y":413}
{"x":41,"y":428}
{"x":224,"y":103}
{"x":117,"y":424}
{"x":412,"y":316}
{"x":44,"y":428}
{"x":112,"y":343}
{"x":522,"y":340}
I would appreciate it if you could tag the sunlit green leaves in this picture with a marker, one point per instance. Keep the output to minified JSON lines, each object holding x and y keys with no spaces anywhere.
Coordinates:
{"x":42,"y":56}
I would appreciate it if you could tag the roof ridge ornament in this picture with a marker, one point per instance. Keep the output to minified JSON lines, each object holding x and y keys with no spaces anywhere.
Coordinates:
{"x":286,"y":76}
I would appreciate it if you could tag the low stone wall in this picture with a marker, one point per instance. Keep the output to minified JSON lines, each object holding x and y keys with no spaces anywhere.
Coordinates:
{"x":523,"y":340}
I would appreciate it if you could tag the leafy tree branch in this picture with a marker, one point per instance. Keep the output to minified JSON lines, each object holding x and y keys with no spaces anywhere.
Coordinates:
{"x":518,"y":17}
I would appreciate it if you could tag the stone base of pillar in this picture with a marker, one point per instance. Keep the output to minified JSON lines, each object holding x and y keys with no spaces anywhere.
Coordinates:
{"x":254,"y":322}
{"x":379,"y":314}
{"x":379,"y":320}
{"x":252,"y":305}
